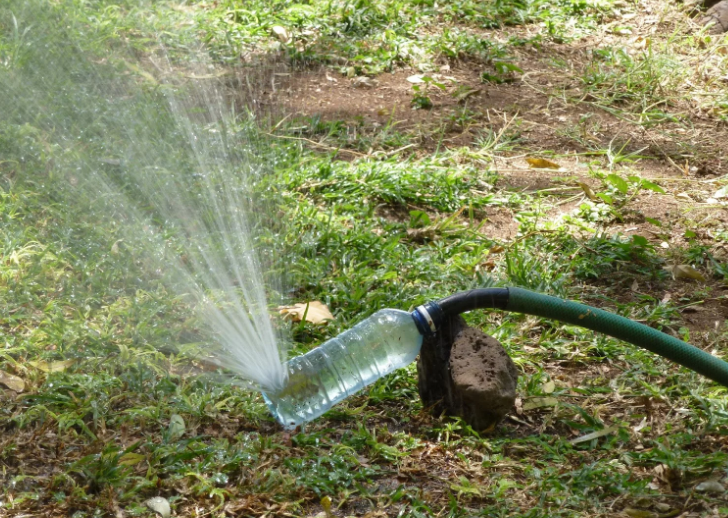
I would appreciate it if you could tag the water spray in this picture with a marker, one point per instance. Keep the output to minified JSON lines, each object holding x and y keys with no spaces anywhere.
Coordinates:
{"x":391,"y":339}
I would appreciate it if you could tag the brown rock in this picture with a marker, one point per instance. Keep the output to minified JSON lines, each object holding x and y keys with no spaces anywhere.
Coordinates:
{"x":465,"y":373}
{"x":717,"y":16}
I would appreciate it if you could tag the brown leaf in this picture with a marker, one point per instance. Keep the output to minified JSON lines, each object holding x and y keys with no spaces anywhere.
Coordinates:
{"x":281,"y":33}
{"x":52,"y":366}
{"x":548,"y":387}
{"x":595,"y":435}
{"x":131,"y":459}
{"x":685,"y":272}
{"x":639,"y":513}
{"x":542,"y":163}
{"x":588,"y":191}
{"x":315,"y":312}
{"x":160,"y":505}
{"x":11,"y":381}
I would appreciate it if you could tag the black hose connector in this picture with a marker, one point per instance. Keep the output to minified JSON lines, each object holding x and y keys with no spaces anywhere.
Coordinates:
{"x":429,"y":317}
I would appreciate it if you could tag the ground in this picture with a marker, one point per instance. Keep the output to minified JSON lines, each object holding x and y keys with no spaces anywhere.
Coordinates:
{"x":414,"y":150}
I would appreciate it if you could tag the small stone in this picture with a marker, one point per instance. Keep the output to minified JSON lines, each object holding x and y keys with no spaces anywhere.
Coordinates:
{"x":716,"y":18}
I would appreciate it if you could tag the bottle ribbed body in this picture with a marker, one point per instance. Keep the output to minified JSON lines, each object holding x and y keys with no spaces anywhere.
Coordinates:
{"x":342,"y":366}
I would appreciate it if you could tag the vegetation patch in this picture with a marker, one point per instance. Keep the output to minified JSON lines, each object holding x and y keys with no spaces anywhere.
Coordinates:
{"x":409,"y":150}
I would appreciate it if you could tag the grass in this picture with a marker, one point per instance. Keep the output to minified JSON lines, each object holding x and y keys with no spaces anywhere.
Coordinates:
{"x":115,"y":409}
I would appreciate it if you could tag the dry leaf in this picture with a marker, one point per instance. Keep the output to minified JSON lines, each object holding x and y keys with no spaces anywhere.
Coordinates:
{"x":363,"y":82}
{"x":11,"y":381}
{"x":595,"y":435}
{"x":416,"y":79}
{"x":685,"y":272}
{"x":131,"y":459}
{"x":281,"y":33}
{"x":710,"y":486}
{"x":542,"y":163}
{"x":721,"y":193}
{"x":548,"y":387}
{"x":115,"y":247}
{"x":639,"y":513}
{"x":463,"y":92}
{"x":315,"y":312}
{"x":176,"y":427}
{"x":52,"y":366}
{"x":159,"y":505}
{"x":588,"y":191}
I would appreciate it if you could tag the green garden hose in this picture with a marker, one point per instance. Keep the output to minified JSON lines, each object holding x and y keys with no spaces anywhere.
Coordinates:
{"x":429,"y":317}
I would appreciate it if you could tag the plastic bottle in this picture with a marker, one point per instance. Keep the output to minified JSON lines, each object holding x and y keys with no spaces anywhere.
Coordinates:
{"x":342,"y":366}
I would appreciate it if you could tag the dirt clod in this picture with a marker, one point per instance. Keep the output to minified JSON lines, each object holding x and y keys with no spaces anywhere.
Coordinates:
{"x":465,"y":373}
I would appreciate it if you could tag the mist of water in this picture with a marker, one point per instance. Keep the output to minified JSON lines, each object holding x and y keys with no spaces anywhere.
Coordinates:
{"x":159,"y":153}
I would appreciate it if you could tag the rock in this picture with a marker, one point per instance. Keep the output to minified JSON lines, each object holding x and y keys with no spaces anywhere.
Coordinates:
{"x":465,"y":373}
{"x":717,"y":16}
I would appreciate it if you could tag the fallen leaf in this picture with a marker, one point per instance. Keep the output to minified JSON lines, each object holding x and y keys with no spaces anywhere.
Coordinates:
{"x":685,"y":272}
{"x":463,"y":92}
{"x":420,"y":235}
{"x":363,"y":82}
{"x":595,"y":435}
{"x":641,"y":425}
{"x":588,"y":191}
{"x":11,"y":381}
{"x":416,"y":79}
{"x":159,"y":505}
{"x":549,"y":387}
{"x":176,"y":427}
{"x":542,"y":163}
{"x":52,"y":366}
{"x":721,"y":193}
{"x":539,"y":402}
{"x":315,"y":312}
{"x":639,"y":513}
{"x":115,"y":247}
{"x":710,"y":486}
{"x":131,"y":459}
{"x":281,"y":33}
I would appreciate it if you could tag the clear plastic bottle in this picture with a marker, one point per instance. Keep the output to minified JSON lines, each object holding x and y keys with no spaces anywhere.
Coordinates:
{"x":342,"y":366}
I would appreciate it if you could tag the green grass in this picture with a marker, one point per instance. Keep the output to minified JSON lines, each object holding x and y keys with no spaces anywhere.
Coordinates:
{"x":115,"y":407}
